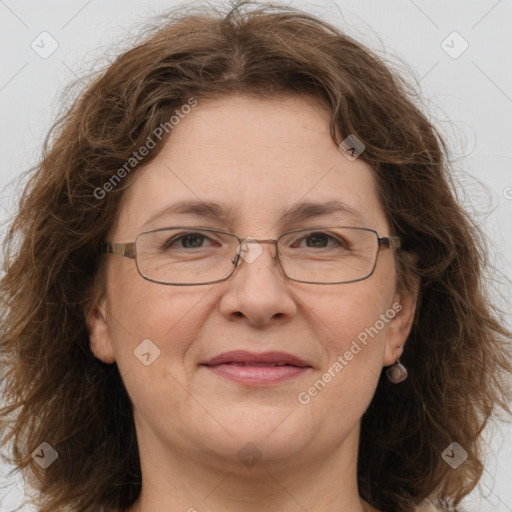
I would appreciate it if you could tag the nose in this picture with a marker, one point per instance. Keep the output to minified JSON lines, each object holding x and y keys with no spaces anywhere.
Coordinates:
{"x":258,"y":290}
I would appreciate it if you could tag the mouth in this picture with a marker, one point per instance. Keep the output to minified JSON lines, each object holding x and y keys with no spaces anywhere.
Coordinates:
{"x":257,"y":369}
{"x":246,"y":363}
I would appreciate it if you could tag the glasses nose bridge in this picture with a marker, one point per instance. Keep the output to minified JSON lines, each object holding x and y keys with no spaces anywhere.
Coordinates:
{"x":237,"y":260}
{"x":250,"y":240}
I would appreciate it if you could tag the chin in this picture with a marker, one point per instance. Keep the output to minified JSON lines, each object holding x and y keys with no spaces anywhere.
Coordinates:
{"x":261,"y":436}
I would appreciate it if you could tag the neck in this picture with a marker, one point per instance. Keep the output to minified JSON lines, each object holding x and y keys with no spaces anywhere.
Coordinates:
{"x":174,"y":481}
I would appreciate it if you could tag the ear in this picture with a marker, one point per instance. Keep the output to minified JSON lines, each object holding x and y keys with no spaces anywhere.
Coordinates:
{"x":399,"y":327}
{"x":99,"y":333}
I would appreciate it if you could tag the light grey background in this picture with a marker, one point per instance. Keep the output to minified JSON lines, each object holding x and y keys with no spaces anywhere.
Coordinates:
{"x":469,"y":96}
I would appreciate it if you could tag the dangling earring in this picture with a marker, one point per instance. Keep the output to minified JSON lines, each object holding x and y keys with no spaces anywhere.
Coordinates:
{"x":397,"y":372}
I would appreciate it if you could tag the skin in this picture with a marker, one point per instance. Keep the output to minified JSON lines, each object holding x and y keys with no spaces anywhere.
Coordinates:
{"x":255,"y":157}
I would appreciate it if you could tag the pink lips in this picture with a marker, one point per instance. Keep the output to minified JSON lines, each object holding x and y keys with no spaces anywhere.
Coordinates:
{"x":257,"y":369}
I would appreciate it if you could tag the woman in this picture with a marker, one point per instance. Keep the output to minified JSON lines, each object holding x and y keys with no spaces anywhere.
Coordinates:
{"x":239,"y":280}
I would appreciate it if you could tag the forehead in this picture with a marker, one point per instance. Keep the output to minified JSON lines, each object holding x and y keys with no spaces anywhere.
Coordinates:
{"x":256,"y":159}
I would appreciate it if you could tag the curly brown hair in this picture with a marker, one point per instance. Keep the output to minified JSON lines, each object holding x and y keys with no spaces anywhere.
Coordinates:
{"x":458,"y":353}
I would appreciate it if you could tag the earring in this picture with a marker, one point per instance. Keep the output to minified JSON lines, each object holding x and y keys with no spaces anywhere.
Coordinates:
{"x":397,"y":372}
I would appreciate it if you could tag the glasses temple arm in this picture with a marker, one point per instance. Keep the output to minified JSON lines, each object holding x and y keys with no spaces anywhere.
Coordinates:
{"x":120,"y":249}
{"x":391,"y":242}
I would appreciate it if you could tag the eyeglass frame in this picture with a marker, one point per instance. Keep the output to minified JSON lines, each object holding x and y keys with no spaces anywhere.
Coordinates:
{"x":129,"y":250}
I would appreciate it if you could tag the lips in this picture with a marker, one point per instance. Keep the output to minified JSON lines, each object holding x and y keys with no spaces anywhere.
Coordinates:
{"x":244,"y":358}
{"x":252,"y":369}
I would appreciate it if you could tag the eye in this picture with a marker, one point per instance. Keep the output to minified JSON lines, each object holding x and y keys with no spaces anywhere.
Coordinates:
{"x":192,"y":240}
{"x":320,"y":240}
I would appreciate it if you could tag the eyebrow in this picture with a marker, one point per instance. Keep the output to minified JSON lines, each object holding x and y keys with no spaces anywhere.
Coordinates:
{"x":214,"y":211}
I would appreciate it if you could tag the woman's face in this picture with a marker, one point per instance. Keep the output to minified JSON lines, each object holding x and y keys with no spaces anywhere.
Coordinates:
{"x":256,"y":159}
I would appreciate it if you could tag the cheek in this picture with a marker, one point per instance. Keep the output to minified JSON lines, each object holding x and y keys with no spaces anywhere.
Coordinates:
{"x":348,"y":326}
{"x":352,"y":313}
{"x":148,"y":317}
{"x":351,"y":325}
{"x":153,"y":330}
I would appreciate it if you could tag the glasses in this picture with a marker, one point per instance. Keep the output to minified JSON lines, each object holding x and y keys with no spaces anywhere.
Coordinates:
{"x":184,"y":255}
